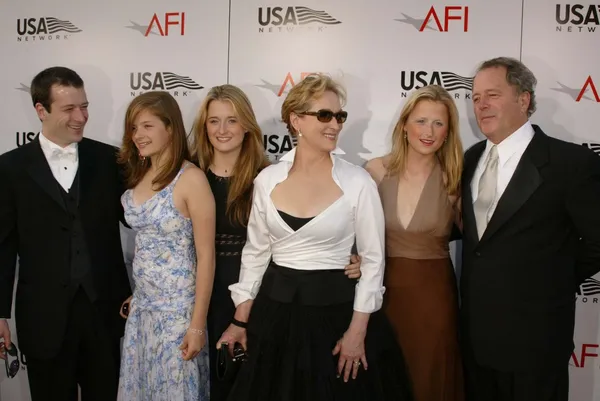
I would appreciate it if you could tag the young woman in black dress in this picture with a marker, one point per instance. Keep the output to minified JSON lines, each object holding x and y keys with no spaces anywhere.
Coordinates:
{"x":229,"y":148}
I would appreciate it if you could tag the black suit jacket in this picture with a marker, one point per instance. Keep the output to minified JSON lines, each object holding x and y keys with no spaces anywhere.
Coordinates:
{"x":518,"y":282}
{"x":35,"y":226}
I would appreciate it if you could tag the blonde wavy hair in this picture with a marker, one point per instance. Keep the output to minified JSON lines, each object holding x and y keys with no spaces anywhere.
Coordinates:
{"x":299,"y":98}
{"x":450,"y":154}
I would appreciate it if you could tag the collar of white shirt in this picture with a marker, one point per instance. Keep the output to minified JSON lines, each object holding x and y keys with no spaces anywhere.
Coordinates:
{"x":50,"y":148}
{"x":518,"y":140}
{"x":288,"y":161}
{"x":289,"y":156}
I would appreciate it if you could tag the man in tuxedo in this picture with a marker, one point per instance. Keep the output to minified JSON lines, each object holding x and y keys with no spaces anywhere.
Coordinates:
{"x":59,"y":213}
{"x":531,"y":235}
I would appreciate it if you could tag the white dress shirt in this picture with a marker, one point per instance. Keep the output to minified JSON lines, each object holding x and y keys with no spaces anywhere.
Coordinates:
{"x":62,"y":161}
{"x":510,"y":151}
{"x":325,"y":242}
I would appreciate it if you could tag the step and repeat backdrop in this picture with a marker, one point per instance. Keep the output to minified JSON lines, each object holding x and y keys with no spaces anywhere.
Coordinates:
{"x":380,"y":51}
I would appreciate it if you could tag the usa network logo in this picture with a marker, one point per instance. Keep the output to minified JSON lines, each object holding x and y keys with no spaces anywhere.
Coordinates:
{"x":589,"y":290}
{"x":293,"y":19}
{"x":25,"y":136}
{"x":439,"y":19}
{"x":595,"y":147}
{"x":169,"y":24}
{"x":588,"y":91}
{"x":177,"y":85}
{"x":459,"y":86}
{"x":44,"y":29}
{"x":583,"y":18}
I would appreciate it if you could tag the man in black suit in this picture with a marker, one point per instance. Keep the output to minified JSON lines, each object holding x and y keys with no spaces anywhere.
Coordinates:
{"x":531,"y":235}
{"x":59,"y":213}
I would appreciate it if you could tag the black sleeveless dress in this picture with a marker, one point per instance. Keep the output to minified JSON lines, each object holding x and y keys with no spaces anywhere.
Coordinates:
{"x":229,"y":242}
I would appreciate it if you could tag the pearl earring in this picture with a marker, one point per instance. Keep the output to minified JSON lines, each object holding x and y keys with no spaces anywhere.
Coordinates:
{"x":299,"y":133}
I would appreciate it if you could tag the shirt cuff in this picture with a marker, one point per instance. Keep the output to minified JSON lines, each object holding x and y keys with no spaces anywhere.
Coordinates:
{"x":368,"y":301}
{"x":242,"y":292}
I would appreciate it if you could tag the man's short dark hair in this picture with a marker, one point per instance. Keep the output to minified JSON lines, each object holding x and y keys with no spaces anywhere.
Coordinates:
{"x":42,"y":83}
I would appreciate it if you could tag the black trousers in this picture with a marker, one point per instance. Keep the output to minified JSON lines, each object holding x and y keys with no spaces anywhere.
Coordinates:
{"x":89,"y":357}
{"x":542,"y":384}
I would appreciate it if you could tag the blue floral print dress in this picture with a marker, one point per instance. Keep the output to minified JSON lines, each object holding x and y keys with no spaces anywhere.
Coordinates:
{"x":164,"y":272}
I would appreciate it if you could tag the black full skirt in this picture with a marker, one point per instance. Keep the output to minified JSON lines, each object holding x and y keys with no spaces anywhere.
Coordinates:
{"x":296,"y":320}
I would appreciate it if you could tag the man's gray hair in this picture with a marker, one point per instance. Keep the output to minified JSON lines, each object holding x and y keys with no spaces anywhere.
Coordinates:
{"x":517,"y":75}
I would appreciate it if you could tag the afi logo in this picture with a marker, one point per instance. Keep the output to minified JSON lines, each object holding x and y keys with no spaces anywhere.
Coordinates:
{"x":579,"y":360}
{"x":450,"y":13}
{"x":588,"y":85}
{"x":289,"y":80}
{"x":159,"y":25}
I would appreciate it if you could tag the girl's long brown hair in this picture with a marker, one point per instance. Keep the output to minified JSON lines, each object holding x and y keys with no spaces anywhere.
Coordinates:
{"x":165,"y":107}
{"x":251,"y":160}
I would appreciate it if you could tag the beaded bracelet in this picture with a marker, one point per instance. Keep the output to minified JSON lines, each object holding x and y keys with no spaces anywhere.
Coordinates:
{"x":196,"y":331}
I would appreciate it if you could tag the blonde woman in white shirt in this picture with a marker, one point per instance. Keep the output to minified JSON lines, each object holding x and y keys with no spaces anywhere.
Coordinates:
{"x":313,"y":334}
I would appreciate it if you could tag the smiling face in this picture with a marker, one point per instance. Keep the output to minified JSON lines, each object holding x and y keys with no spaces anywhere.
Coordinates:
{"x":223,"y":127}
{"x":499,"y":109}
{"x":65,"y":120}
{"x":150,"y":134}
{"x":322,"y":136}
{"x":427,"y":127}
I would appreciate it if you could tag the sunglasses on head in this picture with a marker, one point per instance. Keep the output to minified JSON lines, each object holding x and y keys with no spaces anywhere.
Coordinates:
{"x":325,"y":115}
{"x":12,"y":368}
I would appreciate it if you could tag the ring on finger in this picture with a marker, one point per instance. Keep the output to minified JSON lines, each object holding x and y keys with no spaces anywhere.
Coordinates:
{"x":357,"y":363}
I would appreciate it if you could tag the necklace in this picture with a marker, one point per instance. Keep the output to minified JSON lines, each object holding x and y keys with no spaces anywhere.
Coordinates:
{"x":223,"y":173}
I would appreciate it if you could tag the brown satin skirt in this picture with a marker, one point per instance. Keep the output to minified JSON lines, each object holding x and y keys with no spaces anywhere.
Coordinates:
{"x":422,"y":305}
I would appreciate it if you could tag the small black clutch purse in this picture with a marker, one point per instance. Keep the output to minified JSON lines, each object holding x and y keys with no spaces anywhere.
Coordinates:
{"x":227,"y":365}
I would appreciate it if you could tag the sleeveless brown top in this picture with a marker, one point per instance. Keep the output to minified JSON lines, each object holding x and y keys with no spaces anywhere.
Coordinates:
{"x":427,"y":233}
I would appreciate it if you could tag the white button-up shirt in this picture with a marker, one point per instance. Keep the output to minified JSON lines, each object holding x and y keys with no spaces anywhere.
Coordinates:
{"x":510,"y":151}
{"x":62,"y":161}
{"x":325,"y":242}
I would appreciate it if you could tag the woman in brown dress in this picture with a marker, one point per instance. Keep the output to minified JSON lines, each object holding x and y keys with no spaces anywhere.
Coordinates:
{"x":419,"y":186}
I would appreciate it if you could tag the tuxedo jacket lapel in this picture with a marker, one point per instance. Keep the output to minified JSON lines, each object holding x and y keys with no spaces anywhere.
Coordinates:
{"x":524,"y":182}
{"x":40,"y":171}
{"x":87,"y":170}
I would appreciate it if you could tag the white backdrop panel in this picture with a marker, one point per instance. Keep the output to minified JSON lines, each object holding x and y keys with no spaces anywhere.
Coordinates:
{"x":380,"y":51}
{"x":379,"y":54}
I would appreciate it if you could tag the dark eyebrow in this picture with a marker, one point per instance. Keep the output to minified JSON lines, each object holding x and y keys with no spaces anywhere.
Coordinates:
{"x":74,"y":105}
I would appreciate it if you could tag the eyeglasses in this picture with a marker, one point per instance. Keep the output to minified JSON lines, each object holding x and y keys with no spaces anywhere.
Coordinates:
{"x":325,"y":115}
{"x":12,"y":368}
